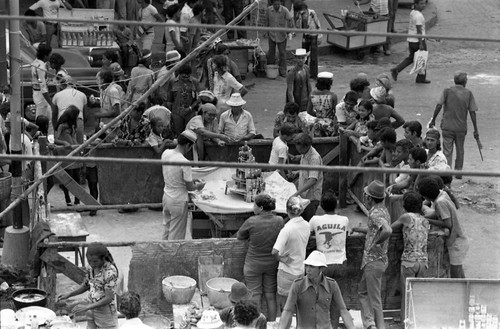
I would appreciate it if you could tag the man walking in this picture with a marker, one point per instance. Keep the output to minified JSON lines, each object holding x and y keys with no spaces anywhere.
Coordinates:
{"x":231,"y":9}
{"x":315,"y":298}
{"x":375,"y":258}
{"x":416,"y":27}
{"x":278,"y":16}
{"x":308,"y":19}
{"x":456,"y":102}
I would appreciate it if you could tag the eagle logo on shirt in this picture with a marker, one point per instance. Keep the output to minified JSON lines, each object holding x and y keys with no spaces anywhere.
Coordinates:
{"x":329,"y":237}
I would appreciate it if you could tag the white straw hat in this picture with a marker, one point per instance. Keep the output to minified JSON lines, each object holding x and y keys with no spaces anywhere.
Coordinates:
{"x":236,"y":100}
{"x":300,"y":52}
{"x":316,"y":258}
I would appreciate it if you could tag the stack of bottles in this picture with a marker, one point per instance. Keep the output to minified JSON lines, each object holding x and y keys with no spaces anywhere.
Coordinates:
{"x":479,"y":318}
{"x":87,"y":39}
{"x":249,"y":179}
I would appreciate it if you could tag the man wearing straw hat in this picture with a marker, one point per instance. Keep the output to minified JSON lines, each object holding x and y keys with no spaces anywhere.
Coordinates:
{"x":298,"y":87}
{"x":178,"y":181}
{"x":315,"y":298}
{"x":237,"y":123}
{"x":375,"y":258}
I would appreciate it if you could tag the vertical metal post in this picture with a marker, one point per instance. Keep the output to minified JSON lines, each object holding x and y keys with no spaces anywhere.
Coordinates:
{"x":3,"y":46}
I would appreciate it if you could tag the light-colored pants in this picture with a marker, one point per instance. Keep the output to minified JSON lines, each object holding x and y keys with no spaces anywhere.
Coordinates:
{"x":104,"y":317}
{"x":43,"y":108}
{"x":418,"y":270}
{"x":175,"y":215}
{"x":369,"y":294}
{"x":147,"y":41}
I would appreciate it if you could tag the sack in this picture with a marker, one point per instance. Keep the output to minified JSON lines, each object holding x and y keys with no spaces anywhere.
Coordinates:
{"x":420,"y":62}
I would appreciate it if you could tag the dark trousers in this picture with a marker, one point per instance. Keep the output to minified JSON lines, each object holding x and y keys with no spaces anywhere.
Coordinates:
{"x":310,"y":43}
{"x":271,"y":57}
{"x":413,"y":47}
{"x":233,"y":8}
{"x":310,"y":210}
{"x":91,"y":176}
{"x":75,"y":174}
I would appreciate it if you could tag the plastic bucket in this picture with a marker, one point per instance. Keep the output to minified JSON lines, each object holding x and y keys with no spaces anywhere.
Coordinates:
{"x":178,"y":289}
{"x":218,"y":290}
{"x":209,"y":267}
{"x":272,"y":71}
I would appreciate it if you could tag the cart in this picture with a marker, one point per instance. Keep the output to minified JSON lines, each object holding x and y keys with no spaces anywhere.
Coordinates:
{"x":353,"y":21}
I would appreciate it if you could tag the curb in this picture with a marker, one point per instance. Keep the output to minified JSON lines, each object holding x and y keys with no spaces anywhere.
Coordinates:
{"x":430,"y":13}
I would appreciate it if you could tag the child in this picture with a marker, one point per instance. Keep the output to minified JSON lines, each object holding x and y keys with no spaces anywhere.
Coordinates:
{"x":413,"y":132}
{"x":65,"y":136}
{"x":368,"y":142}
{"x":155,"y":139}
{"x":358,"y":128}
{"x":101,"y":282}
{"x":400,"y":159}
{"x":279,"y":151}
{"x":444,"y":214}
{"x":415,"y":229}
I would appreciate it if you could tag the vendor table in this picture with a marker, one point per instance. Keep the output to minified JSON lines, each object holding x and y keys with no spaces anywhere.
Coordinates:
{"x":228,"y":211}
{"x":70,"y":227}
{"x":239,"y":54}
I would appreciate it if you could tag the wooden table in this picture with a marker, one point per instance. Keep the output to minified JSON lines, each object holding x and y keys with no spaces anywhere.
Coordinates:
{"x":70,"y":227}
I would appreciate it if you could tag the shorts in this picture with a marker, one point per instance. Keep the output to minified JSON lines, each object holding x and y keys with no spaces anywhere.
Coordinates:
{"x":261,"y":279}
{"x":103,"y":317}
{"x":285,"y":281}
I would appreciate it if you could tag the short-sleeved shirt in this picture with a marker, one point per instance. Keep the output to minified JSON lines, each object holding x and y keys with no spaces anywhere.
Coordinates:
{"x":101,"y":281}
{"x":299,"y":124}
{"x":437,"y":161}
{"x":457,"y":242}
{"x":261,"y":231}
{"x":141,"y":80}
{"x":112,"y":95}
{"x":344,"y":115}
{"x":314,"y":307}
{"x":281,"y":18}
{"x":154,"y":140}
{"x":236,"y":130}
{"x":330,"y":231}
{"x":279,"y":150}
{"x":147,"y":15}
{"x":175,"y":177}
{"x":457,"y":102}
{"x":311,"y":158}
{"x":67,"y":97}
{"x":186,"y":15}
{"x":292,"y":242}
{"x":380,"y":7}
{"x":197,"y":122}
{"x":373,"y":252}
{"x":34,"y":35}
{"x":415,"y":239}
{"x":224,"y":86}
{"x":416,"y":19}
{"x":176,"y":29}
{"x":49,"y":8}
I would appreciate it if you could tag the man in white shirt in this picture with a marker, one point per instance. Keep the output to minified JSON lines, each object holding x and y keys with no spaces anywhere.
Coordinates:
{"x":147,"y":14}
{"x":50,"y":10}
{"x":186,"y":15}
{"x":416,"y":27}
{"x":237,"y":123}
{"x":225,"y":84}
{"x":66,"y":97}
{"x":41,"y":97}
{"x":178,"y":181}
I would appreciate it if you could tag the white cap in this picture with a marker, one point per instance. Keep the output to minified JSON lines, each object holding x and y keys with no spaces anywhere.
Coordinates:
{"x":316,"y":258}
{"x":325,"y":75}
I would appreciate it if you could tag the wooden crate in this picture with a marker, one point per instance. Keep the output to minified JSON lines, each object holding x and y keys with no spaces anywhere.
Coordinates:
{"x":442,"y":303}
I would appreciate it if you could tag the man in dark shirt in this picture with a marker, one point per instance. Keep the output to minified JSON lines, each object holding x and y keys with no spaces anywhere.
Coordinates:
{"x":315,"y":298}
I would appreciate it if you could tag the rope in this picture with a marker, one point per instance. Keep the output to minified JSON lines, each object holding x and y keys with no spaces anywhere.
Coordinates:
{"x":251,"y":28}
{"x":333,"y":169}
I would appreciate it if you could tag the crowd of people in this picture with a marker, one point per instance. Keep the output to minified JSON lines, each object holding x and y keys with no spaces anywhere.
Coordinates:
{"x":189,"y":110}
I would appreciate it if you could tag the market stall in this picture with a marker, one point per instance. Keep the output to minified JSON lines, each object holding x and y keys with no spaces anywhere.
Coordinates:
{"x":243,"y":53}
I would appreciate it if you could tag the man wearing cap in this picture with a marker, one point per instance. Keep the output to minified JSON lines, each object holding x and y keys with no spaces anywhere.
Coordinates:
{"x":315,"y":298}
{"x":456,"y":102}
{"x":141,"y":78}
{"x":171,"y":58}
{"x":239,"y":292}
{"x":278,"y":16}
{"x":66,"y":97}
{"x":237,"y":123}
{"x":310,"y":183}
{"x":225,"y":84}
{"x":178,"y":181}
{"x":375,"y":259}
{"x":206,"y":127}
{"x":298,"y":87}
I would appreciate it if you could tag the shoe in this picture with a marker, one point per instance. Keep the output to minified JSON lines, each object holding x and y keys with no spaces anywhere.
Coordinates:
{"x":423,"y":81}
{"x":394,"y":74}
{"x":93,"y":213}
{"x":387,"y":53}
{"x":69,"y":204}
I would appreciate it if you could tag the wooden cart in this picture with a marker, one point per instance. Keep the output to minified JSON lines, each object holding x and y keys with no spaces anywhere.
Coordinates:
{"x":357,"y":22}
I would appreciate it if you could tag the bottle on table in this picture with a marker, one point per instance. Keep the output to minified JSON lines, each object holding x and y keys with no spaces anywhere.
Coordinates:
{"x":34,"y":322}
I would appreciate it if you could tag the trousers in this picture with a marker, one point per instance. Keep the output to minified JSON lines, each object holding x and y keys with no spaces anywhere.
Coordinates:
{"x":413,"y":47}
{"x":175,"y":215}
{"x":271,"y":57}
{"x":369,"y":294}
{"x":310,"y":43}
{"x":456,"y":138}
{"x":233,"y":8}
